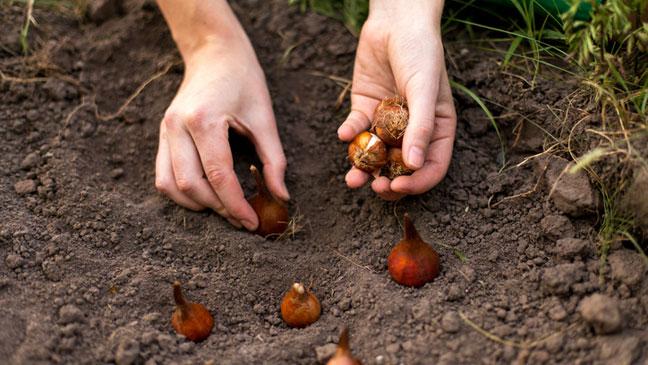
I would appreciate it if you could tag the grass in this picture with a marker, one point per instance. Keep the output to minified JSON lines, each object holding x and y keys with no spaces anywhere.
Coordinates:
{"x":352,"y":13}
{"x":457,"y":86}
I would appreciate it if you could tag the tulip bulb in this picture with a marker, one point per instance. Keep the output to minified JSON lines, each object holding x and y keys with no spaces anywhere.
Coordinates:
{"x":412,"y":262}
{"x":395,"y":166}
{"x":272,"y":213}
{"x":343,"y":354}
{"x":390,"y":120}
{"x":192,"y":320}
{"x":367,"y":152}
{"x":300,"y":307}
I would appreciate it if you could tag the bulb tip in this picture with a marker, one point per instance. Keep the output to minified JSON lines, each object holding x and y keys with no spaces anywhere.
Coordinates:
{"x":299,"y":288}
{"x":177,"y":293}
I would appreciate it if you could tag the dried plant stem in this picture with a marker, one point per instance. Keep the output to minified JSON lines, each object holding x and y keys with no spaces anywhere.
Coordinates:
{"x":355,"y":263}
{"x":125,"y":104}
{"x":521,"y":345}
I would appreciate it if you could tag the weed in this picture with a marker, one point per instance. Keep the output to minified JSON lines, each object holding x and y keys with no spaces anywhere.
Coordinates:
{"x":76,"y":7}
{"x":352,"y":12}
{"x":486,"y":111}
{"x":24,"y":31}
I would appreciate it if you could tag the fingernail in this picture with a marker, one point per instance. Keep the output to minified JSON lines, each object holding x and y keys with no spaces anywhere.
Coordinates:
{"x":415,"y":157}
{"x":339,"y":132}
{"x":248,"y":225}
{"x":342,"y":130}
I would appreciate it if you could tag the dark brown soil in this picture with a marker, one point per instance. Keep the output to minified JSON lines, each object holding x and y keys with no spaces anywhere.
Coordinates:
{"x":89,"y":249}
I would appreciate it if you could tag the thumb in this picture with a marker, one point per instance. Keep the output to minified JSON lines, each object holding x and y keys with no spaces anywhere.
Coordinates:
{"x":421,"y":93}
{"x":268,"y":147}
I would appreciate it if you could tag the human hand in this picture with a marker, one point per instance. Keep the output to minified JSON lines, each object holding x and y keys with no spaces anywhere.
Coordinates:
{"x":400,"y":52}
{"x":223,"y":87}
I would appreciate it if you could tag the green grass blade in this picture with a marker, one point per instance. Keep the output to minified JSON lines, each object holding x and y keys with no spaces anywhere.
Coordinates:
{"x":636,"y":245}
{"x":511,"y":50}
{"x":487,"y":111}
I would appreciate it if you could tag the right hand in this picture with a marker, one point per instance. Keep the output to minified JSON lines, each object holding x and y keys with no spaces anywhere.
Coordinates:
{"x":223,"y":87}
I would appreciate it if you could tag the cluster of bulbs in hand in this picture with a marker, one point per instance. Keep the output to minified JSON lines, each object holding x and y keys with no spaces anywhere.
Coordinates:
{"x":380,"y":147}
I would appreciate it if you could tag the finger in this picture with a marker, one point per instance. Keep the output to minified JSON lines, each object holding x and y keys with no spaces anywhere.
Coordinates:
{"x":440,"y":150}
{"x":268,"y":147}
{"x":421,"y":93}
{"x":362,"y":110}
{"x":436,"y":166}
{"x":164,"y":178}
{"x":188,"y":171}
{"x":355,"y":123}
{"x":355,"y":178}
{"x":381,"y":186}
{"x":213,"y":147}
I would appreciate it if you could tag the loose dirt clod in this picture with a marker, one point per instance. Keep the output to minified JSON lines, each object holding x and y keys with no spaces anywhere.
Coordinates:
{"x":602,"y":313}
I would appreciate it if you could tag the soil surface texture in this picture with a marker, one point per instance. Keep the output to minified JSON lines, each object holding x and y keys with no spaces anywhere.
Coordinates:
{"x":89,"y":249}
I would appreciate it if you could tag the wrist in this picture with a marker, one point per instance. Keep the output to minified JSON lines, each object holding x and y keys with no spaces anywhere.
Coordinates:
{"x":408,"y":11}
{"x":198,"y":24}
{"x":228,"y":35}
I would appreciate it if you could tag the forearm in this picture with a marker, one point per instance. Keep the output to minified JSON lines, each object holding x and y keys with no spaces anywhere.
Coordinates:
{"x":194,"y":23}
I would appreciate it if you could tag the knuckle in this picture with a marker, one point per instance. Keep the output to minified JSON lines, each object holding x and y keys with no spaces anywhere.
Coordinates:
{"x":216,"y":175}
{"x":423,"y":130}
{"x":171,"y":119}
{"x":281,"y":162}
{"x":184,"y":185}
{"x":162,"y":185}
{"x":192,"y":118}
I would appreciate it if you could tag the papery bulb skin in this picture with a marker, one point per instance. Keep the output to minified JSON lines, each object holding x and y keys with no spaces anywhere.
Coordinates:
{"x":343,"y":355}
{"x":395,"y":165}
{"x":390,"y":120}
{"x":189,"y":319}
{"x":300,"y":307}
{"x":367,"y":152}
{"x":412,"y":262}
{"x":272,"y":213}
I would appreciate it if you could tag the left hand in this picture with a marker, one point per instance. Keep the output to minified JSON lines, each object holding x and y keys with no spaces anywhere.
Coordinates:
{"x":400,"y":52}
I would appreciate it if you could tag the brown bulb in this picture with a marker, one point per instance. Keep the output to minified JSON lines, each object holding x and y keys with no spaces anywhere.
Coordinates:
{"x":395,"y":166}
{"x":390,"y":120}
{"x":412,"y":262}
{"x":367,"y":152}
{"x":272,"y":213}
{"x":192,"y":320}
{"x":300,"y":307}
{"x":343,"y":354}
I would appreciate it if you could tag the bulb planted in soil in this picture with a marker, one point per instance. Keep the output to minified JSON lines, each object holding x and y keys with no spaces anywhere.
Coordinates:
{"x":190,"y":319}
{"x":300,"y":307}
{"x":412,"y":262}
{"x":343,"y":355}
{"x":272,"y":213}
{"x":390,"y":120}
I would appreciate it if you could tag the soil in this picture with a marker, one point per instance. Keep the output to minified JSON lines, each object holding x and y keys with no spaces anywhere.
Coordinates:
{"x":89,"y":249}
